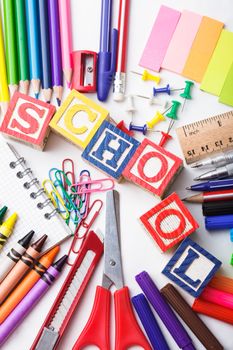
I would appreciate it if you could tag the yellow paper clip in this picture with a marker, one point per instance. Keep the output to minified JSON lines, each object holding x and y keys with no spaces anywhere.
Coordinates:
{"x":55,"y":198}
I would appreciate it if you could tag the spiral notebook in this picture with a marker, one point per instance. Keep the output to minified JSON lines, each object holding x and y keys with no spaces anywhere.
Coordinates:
{"x":21,"y":192}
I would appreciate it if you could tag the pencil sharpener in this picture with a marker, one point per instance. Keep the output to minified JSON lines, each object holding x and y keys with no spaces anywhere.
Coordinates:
{"x":84,"y":71}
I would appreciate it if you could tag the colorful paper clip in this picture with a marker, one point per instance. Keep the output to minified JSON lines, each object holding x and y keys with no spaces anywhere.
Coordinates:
{"x":94,"y":186}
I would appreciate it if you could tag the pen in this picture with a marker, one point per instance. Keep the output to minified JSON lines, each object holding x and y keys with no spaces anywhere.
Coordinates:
{"x":218,"y":173}
{"x":106,"y":63}
{"x":226,"y":184}
{"x":218,"y":160}
{"x":210,"y":196}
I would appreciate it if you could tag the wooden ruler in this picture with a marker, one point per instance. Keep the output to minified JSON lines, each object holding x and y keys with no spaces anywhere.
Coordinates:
{"x":206,"y":136}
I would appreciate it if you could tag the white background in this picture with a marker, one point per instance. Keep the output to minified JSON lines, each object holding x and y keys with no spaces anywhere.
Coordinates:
{"x":138,"y":250}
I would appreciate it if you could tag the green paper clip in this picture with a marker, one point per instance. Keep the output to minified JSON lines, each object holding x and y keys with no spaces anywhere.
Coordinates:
{"x":174,"y":109}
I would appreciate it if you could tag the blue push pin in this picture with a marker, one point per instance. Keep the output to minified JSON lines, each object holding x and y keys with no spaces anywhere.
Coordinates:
{"x":166,"y":90}
{"x":139,"y":128}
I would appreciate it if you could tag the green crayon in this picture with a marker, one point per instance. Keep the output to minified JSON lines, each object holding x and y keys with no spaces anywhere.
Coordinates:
{"x":2,"y":213}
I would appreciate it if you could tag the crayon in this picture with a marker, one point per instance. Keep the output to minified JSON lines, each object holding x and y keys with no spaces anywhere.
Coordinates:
{"x":25,"y":263}
{"x":3,"y":210}
{"x":213,"y":310}
{"x":27,"y":283}
{"x":14,"y":255}
{"x":31,"y":299}
{"x":4,"y":91}
{"x":6,"y":229}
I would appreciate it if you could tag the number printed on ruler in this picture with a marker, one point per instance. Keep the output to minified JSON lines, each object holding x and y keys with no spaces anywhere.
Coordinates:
{"x":209,"y":135}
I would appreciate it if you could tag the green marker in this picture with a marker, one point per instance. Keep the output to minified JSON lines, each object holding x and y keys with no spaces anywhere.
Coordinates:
{"x":2,"y":213}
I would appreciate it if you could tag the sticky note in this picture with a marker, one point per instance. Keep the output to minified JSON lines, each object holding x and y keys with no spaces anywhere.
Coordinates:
{"x":202,"y":48}
{"x":181,"y":43}
{"x":226,"y":95}
{"x":219,"y":65}
{"x":159,"y":39}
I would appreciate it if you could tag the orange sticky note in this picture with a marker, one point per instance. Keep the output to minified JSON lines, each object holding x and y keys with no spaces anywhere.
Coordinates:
{"x":202,"y":48}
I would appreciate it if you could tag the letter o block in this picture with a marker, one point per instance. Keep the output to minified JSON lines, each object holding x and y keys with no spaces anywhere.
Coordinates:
{"x":169,"y":222}
{"x":78,"y":119}
{"x":27,"y":120}
{"x":153,"y":168}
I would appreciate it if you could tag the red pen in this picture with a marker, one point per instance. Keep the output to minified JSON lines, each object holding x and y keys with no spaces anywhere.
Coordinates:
{"x":120,"y":76}
{"x":211,"y":196}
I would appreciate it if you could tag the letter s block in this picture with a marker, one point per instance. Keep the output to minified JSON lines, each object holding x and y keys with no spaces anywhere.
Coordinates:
{"x":153,"y":168}
{"x":169,"y":222}
{"x":78,"y":119}
{"x":27,"y":119}
{"x":191,"y":267}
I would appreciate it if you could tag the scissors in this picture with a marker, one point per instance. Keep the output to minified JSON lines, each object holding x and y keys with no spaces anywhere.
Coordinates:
{"x":97,"y":330}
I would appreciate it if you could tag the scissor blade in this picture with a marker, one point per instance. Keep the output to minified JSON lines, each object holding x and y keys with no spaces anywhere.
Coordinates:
{"x":112,"y":253}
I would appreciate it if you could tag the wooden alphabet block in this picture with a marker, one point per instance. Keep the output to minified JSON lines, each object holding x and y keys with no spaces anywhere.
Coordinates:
{"x":78,"y":119}
{"x":169,"y":222}
{"x":110,"y":150}
{"x":153,"y":168}
{"x":27,"y":119}
{"x":191,"y":267}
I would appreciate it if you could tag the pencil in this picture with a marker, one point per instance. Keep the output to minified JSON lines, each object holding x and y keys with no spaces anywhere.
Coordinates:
{"x":66,"y":38}
{"x":34,"y":47}
{"x":21,"y":36}
{"x":11,"y":48}
{"x":4,"y":92}
{"x":55,"y":48}
{"x":211,"y":196}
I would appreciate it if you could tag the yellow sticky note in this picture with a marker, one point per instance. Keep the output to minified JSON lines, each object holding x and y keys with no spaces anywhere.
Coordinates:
{"x":226,"y":95}
{"x":219,"y":65}
{"x":78,"y":119}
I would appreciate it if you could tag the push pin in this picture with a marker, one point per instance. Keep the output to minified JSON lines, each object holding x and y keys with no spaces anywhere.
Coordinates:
{"x":166,"y":90}
{"x":186,"y":94}
{"x":122,"y":127}
{"x":143,"y":129}
{"x":159,"y":117}
{"x":174,"y":109}
{"x":155,"y":101}
{"x":165,"y":137}
{"x":130,"y":108}
{"x":148,"y":76}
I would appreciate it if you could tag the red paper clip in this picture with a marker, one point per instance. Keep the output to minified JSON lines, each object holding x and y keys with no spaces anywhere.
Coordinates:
{"x":84,"y":73}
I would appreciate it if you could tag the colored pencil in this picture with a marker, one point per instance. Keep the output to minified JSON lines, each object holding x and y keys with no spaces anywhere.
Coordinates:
{"x":11,"y":47}
{"x":55,"y":48}
{"x":4,"y":92}
{"x":21,"y":37}
{"x":45,"y":51}
{"x":34,"y":47}
{"x":214,"y":196}
{"x":66,"y":38}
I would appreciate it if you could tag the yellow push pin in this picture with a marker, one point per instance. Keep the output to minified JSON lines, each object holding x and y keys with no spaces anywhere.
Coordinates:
{"x":148,"y":76}
{"x":159,"y":117}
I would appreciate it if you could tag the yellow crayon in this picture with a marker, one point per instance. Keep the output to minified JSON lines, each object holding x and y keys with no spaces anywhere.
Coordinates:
{"x":4,"y":92}
{"x":6,"y":229}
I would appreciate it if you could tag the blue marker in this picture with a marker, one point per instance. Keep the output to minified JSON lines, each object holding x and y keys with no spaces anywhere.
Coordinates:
{"x":219,"y":222}
{"x":106,"y":64}
{"x":212,"y":185}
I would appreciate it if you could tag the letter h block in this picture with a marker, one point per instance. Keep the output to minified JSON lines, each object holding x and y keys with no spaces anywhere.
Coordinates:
{"x":153,"y":168}
{"x":27,"y":120}
{"x":169,"y":222}
{"x":110,"y":150}
{"x":191,"y":267}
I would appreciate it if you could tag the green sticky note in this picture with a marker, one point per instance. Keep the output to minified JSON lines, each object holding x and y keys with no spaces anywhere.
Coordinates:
{"x":226,"y":95}
{"x":219,"y":64}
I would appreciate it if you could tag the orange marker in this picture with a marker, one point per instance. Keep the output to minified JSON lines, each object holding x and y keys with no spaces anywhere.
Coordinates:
{"x":26,"y":262}
{"x":27,"y":283}
{"x":222,"y":282}
{"x":213,"y":310}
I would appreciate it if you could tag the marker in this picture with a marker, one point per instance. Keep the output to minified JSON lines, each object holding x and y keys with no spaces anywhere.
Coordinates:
{"x":27,"y":283}
{"x":6,"y":229}
{"x":219,"y":222}
{"x":218,"y":160}
{"x":213,"y":310}
{"x":217,"y":208}
{"x":2,"y":213}
{"x":223,"y":195}
{"x":25,"y":263}
{"x":217,"y":185}
{"x":218,"y":173}
{"x":14,"y":255}
{"x":31,"y":299}
{"x":4,"y":91}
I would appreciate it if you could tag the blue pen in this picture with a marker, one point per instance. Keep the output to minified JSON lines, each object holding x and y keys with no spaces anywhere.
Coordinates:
{"x":212,"y":185}
{"x":149,"y":322}
{"x":219,"y":222}
{"x":34,"y":47}
{"x":106,"y":64}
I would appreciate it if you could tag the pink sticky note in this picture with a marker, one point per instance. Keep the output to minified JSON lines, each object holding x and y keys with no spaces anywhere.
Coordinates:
{"x":181,"y":42}
{"x":159,"y":39}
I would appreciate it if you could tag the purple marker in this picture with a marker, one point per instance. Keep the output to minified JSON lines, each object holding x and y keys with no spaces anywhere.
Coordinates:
{"x":55,"y":49}
{"x":164,"y":311}
{"x":30,"y":300}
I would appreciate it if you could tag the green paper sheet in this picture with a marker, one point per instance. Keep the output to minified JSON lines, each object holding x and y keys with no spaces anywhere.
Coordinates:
{"x":226,"y":95}
{"x":219,"y":65}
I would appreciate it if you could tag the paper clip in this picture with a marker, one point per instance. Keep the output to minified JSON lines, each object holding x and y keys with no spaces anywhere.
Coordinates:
{"x":95,"y":186}
{"x":85,"y":197}
{"x":52,"y":177}
{"x":84,"y":227}
{"x":68,"y":173}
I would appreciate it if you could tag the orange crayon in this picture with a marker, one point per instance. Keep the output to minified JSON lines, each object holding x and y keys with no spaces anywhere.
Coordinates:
{"x":25,"y":263}
{"x":27,"y":283}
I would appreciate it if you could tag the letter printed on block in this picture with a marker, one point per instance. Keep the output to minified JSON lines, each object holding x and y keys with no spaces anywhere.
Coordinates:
{"x":191,"y":267}
{"x":153,"y":168}
{"x":27,"y":119}
{"x":169,"y":222}
{"x":110,"y":150}
{"x":78,"y":119}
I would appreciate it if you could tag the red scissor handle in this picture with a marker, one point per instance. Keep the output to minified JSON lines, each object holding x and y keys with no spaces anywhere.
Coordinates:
{"x":96,"y":331}
{"x":128,"y":332}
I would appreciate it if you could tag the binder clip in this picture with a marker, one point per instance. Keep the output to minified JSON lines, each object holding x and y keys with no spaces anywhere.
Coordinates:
{"x":85,"y":70}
